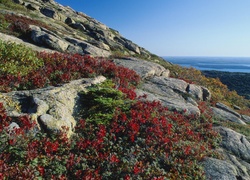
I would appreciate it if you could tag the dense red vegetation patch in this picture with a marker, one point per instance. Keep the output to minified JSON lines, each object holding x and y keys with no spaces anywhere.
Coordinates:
{"x":19,"y":25}
{"x":61,"y":68}
{"x":147,"y":142}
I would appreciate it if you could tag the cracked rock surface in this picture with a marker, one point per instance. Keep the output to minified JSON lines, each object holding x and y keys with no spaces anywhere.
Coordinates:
{"x":52,"y":107}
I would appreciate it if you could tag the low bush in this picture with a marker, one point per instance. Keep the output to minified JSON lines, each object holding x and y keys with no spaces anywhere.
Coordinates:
{"x":19,"y":25}
{"x":9,"y":4}
{"x":30,"y":70}
{"x":3,"y":24}
{"x":17,"y":60}
{"x":100,"y":103}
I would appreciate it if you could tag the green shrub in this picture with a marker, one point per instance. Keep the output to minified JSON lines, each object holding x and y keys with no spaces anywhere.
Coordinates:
{"x":17,"y":59}
{"x":11,"y":5}
{"x":3,"y":24}
{"x":100,"y":103}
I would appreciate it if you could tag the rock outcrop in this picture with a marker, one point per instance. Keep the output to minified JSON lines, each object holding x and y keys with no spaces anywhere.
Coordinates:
{"x":220,"y":170}
{"x":52,"y":108}
{"x":174,"y":93}
{"x":225,"y":113}
{"x":5,"y":37}
{"x":144,"y":68}
{"x":181,"y":96}
{"x":235,"y":163}
{"x":75,"y":32}
{"x":235,"y":143}
{"x":235,"y":148}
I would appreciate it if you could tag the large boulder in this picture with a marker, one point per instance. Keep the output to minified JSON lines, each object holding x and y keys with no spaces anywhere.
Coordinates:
{"x":242,"y":167}
{"x":182,"y":87}
{"x":133,"y":47}
{"x":216,"y":169}
{"x":75,"y":25}
{"x":174,"y":93}
{"x":199,"y":92}
{"x":106,"y":33}
{"x":144,"y":68}
{"x":235,"y":143}
{"x":227,"y":109}
{"x":46,"y":38}
{"x":33,"y":7}
{"x":128,"y":44}
{"x":49,"y":12}
{"x":88,"y":48}
{"x":223,"y":115}
{"x":78,"y":26}
{"x":176,"y":85}
{"x":5,"y":37}
{"x":234,"y":162}
{"x":168,"y":97}
{"x":69,"y":21}
{"x":53,"y":107}
{"x":18,"y":1}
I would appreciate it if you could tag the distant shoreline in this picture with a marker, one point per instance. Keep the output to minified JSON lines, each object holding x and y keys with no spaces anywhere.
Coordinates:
{"x":238,"y":81}
{"x":224,"y":64}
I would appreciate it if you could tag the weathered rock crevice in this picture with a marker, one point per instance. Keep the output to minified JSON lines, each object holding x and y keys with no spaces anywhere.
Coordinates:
{"x":53,"y":107}
{"x":235,"y":152}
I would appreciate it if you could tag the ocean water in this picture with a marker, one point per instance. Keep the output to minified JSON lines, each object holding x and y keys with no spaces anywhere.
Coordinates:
{"x":228,"y":64}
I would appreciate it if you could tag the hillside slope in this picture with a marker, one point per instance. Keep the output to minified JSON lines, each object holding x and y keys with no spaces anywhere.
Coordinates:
{"x":51,"y":25}
{"x":93,"y":105}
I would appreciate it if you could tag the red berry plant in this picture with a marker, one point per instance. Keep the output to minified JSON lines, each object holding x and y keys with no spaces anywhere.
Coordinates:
{"x":118,"y":136}
{"x":145,"y":141}
{"x":30,"y":72}
{"x":19,"y":25}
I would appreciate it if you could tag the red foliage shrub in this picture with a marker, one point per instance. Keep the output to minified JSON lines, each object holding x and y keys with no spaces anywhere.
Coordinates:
{"x":20,"y":24}
{"x":61,"y":68}
{"x":4,"y":120}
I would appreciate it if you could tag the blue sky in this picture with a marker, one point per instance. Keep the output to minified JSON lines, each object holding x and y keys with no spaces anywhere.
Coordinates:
{"x":176,"y":27}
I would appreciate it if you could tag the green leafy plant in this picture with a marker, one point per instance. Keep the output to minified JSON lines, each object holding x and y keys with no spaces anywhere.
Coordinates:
{"x":60,"y":68}
{"x":17,"y":60}
{"x":3,"y":24}
{"x":101,"y":101}
{"x":11,"y":5}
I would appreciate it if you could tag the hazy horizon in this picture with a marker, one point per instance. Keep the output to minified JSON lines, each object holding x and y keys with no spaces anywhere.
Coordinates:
{"x":207,"y":56}
{"x":175,"y":27}
{"x":228,"y":64}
